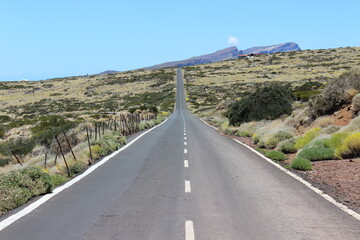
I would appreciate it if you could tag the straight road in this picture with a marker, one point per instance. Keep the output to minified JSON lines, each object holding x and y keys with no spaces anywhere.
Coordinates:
{"x":183,"y":180}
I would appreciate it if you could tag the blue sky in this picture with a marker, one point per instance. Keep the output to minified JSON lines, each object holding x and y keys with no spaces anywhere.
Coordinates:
{"x":46,"y":39}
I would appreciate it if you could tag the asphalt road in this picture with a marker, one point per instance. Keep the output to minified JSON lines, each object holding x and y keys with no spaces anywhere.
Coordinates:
{"x":183,"y":180}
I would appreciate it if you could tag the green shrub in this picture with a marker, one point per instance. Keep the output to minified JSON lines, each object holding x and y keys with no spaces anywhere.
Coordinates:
{"x":307,"y":137}
{"x":263,"y":151}
{"x":48,"y":122}
{"x":49,"y":127}
{"x":22,"y":146}
{"x":283,"y":135}
{"x":301,"y":164}
{"x":256,"y":138}
{"x":18,"y":186}
{"x":2,"y":132}
{"x":58,"y":180}
{"x":95,"y":151}
{"x":305,"y":95}
{"x":288,"y":146}
{"x":5,"y":161}
{"x":276,"y":138}
{"x":108,"y":143}
{"x":309,"y":86}
{"x":268,"y":102}
{"x":261,"y":144}
{"x":243,"y":134}
{"x":276,"y":155}
{"x":335,"y":95}
{"x":271,"y":143}
{"x":317,"y":153}
{"x":350,"y":147}
{"x":336,"y":140}
{"x":356,"y":103}
{"x":4,"y":119}
{"x":76,"y":168}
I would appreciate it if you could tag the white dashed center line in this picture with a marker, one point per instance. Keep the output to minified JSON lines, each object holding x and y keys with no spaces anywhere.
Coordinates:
{"x":186,"y":163}
{"x":187,"y":187}
{"x":189,"y":230}
{"x":185,"y":143}
{"x":185,"y":150}
{"x":185,"y":138}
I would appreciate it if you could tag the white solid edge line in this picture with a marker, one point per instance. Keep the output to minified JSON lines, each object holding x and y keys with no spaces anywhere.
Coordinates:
{"x":186,"y":163}
{"x":306,"y":183}
{"x":11,"y":219}
{"x":189,"y":230}
{"x":187,"y":187}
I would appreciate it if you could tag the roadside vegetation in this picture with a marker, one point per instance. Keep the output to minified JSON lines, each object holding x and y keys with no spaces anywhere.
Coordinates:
{"x":52,"y":130}
{"x":295,"y":107}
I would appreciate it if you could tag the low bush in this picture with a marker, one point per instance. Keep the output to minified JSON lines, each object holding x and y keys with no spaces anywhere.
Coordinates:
{"x":108,"y":143}
{"x":350,"y":147}
{"x":243,"y":134}
{"x":305,"y":95}
{"x":268,"y":102}
{"x":95,"y":151}
{"x":336,"y":140}
{"x":287,"y":146}
{"x":276,"y":138}
{"x":76,"y":168}
{"x":4,"y":119}
{"x":307,"y":137}
{"x":337,"y":93}
{"x":271,"y":143}
{"x":261,"y":144}
{"x":356,"y":103}
{"x":276,"y":155}
{"x":18,"y":186}
{"x":2,"y":132}
{"x":58,"y":180}
{"x":49,"y":127}
{"x":317,"y":153}
{"x":5,"y":161}
{"x":256,"y":138}
{"x":22,"y":146}
{"x":301,"y":164}
{"x":260,"y":150}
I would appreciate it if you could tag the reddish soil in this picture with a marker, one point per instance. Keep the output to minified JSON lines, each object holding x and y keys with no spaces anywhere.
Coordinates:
{"x":338,"y":178}
{"x":343,"y":116}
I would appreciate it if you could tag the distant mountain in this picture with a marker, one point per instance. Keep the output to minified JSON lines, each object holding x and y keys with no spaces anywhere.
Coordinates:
{"x":284,"y":47}
{"x":224,"y":54}
{"x":228,"y":53}
{"x":108,"y":72}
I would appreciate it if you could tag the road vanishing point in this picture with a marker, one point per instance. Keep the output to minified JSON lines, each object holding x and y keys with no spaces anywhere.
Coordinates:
{"x":184,"y":181}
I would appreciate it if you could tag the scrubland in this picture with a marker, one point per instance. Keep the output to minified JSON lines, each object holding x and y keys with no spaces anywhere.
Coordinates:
{"x":299,"y":109}
{"x":51,"y":130}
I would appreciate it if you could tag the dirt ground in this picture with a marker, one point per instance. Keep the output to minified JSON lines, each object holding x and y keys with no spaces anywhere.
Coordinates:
{"x":338,"y":178}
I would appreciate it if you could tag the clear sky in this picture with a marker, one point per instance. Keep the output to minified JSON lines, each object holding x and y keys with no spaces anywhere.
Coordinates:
{"x":58,"y":38}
